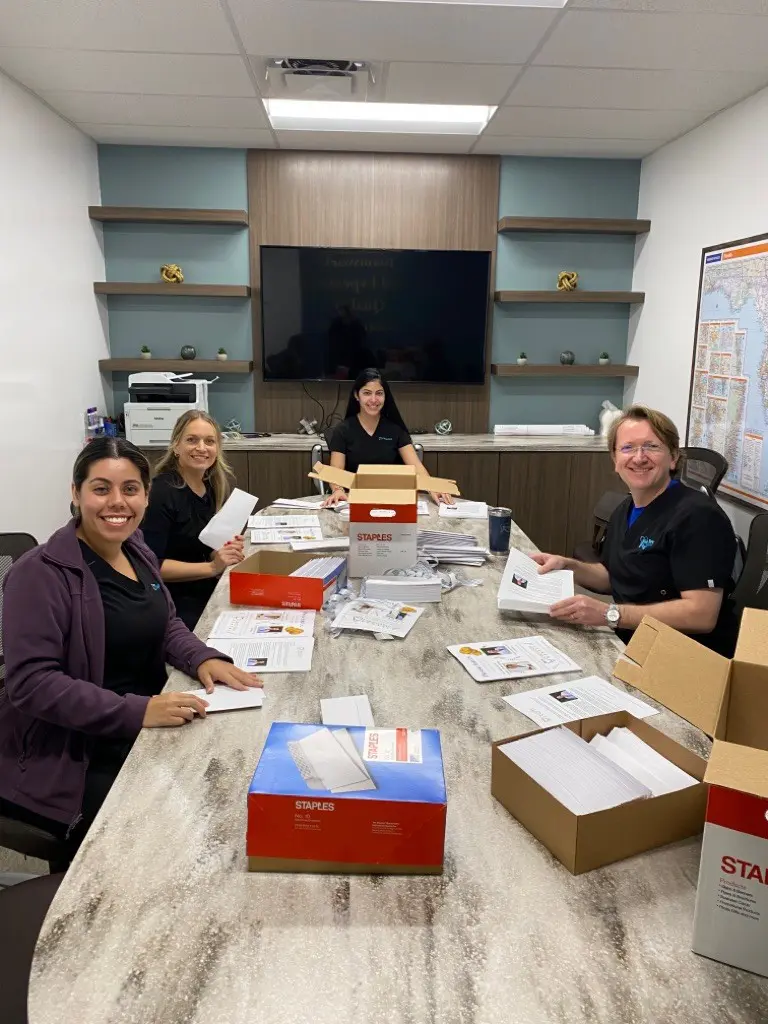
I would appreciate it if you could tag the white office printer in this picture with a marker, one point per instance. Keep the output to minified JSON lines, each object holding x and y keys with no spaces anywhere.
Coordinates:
{"x":155,"y":402}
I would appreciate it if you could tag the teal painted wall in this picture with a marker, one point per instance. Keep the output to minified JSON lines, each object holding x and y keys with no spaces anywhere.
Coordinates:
{"x":177,"y":176}
{"x":561,"y":188}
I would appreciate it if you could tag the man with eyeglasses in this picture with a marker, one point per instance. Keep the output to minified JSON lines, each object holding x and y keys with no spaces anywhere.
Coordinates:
{"x":669,"y":549}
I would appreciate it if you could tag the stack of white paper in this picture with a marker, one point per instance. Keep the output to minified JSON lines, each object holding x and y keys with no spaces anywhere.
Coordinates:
{"x":490,"y":660}
{"x":311,"y":503}
{"x":411,"y":589}
{"x":261,"y":623}
{"x":284,"y":529}
{"x":347,"y":711}
{"x":567,"y":429}
{"x":328,"y":759}
{"x":449,"y":547}
{"x":524,"y":589}
{"x":582,"y":698}
{"x":464,"y":510}
{"x":389,"y":617}
{"x":224,"y":698}
{"x":288,"y":654}
{"x":575,"y":773}
{"x":326,"y":544}
{"x":320,"y":568}
{"x":647,"y":765}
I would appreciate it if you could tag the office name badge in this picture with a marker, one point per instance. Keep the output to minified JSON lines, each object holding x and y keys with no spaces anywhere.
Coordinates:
{"x":396,"y":746}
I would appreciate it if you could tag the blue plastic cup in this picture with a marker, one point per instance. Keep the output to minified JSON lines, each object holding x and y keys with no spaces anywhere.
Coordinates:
{"x":499,"y":529}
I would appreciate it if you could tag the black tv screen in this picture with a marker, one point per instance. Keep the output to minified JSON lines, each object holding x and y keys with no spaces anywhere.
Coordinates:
{"x":416,"y":315}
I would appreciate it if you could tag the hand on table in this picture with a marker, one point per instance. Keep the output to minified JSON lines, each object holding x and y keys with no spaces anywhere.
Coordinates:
{"x":334,"y":498}
{"x":442,"y":499}
{"x":217,"y":670}
{"x":548,"y":563}
{"x":580,"y":610}
{"x":232,"y":553}
{"x":169,"y":709}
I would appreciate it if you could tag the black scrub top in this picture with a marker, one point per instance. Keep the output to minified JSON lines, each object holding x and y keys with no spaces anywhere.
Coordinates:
{"x":360,"y":448}
{"x":681,"y":541}
{"x":171,"y":527}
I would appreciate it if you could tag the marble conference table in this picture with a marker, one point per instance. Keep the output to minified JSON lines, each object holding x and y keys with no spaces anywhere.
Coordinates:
{"x":159,"y":922}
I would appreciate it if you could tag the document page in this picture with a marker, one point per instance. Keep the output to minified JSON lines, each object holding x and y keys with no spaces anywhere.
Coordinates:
{"x":374,"y":616}
{"x":583,"y":698}
{"x":224,"y":698}
{"x":283,"y":522}
{"x":288,"y":655}
{"x":297,"y":503}
{"x":490,"y":660}
{"x":264,"y":623}
{"x":464,"y":510}
{"x":229,"y":520}
{"x":524,"y":589}
{"x":286,"y":535}
{"x":346,"y":710}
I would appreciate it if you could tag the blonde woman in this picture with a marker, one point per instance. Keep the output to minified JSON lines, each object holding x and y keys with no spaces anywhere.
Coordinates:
{"x":191,"y":483}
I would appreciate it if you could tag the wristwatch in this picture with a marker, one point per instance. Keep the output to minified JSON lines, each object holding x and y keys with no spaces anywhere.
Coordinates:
{"x":613,"y":615}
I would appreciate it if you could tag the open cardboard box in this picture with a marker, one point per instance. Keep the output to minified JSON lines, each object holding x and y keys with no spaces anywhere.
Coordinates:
{"x":264,"y":578}
{"x":388,"y":478}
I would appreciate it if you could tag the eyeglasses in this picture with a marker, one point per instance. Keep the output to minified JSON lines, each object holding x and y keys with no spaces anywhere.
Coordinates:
{"x":650,"y":448}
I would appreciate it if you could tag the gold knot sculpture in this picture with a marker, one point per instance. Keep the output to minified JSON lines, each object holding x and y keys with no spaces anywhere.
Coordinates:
{"x":567,"y":281}
{"x":171,"y":273}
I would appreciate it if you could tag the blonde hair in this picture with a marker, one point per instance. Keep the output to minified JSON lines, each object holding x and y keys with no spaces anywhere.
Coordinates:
{"x":660,"y":424}
{"x":220,"y":475}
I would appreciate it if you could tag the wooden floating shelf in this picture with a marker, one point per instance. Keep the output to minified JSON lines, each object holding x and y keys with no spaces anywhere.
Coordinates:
{"x":576,"y":296}
{"x":171,"y":215}
{"x":559,"y":370}
{"x":575,"y":225}
{"x":221,"y":291}
{"x":175,"y":365}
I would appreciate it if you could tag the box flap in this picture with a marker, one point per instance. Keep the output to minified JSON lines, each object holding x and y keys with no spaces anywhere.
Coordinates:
{"x":752,"y":645}
{"x":381,"y":475}
{"x":436,"y":484}
{"x":329,"y":475}
{"x":382,"y":497}
{"x":675,"y":670}
{"x":741,"y":768}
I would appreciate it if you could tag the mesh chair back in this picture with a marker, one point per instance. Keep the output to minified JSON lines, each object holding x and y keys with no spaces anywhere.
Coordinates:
{"x":703,"y":467}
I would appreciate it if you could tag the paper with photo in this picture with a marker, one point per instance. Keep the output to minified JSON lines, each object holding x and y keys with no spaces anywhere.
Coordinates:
{"x":261,"y":522}
{"x":224,"y":698}
{"x":229,"y":520}
{"x":286,"y":535}
{"x":524,"y":589}
{"x":346,"y":710}
{"x":373,"y":616}
{"x":263,"y":623}
{"x":491,"y":660}
{"x":286,"y":655}
{"x":582,"y":698}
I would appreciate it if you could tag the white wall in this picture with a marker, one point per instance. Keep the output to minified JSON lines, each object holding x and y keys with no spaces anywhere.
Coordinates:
{"x":708,"y":187}
{"x":52,"y":329}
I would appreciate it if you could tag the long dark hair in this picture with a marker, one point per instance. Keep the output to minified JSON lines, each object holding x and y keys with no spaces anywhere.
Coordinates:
{"x":389,"y":410}
{"x":107,"y":448}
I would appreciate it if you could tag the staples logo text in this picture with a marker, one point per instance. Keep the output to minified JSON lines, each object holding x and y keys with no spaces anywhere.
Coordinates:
{"x":744,"y":869}
{"x":374,"y":536}
{"x":314,"y":805}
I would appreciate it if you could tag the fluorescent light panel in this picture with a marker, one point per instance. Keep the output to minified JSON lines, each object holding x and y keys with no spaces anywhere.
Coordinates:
{"x":418,"y":118}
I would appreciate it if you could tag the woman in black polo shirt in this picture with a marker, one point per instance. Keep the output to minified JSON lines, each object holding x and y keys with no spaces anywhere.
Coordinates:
{"x":372,"y":433}
{"x":191,"y":483}
{"x":669,"y":549}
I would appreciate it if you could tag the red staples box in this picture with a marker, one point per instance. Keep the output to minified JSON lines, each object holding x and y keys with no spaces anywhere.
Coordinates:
{"x":264,"y":579}
{"x":347,"y":801}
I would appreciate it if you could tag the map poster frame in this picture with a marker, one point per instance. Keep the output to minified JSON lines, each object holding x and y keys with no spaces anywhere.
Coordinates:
{"x":727,"y":379}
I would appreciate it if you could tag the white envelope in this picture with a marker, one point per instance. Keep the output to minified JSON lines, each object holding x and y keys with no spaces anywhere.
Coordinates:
{"x":230,"y":520}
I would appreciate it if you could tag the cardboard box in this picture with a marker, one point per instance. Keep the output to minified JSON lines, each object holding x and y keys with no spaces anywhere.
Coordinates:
{"x":588,"y":841}
{"x":264,"y":579}
{"x":383,"y":516}
{"x":387,"y":817}
{"x":728,"y":700}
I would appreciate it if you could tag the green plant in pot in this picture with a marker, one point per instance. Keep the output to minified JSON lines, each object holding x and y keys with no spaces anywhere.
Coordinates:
{"x":522,"y":359}
{"x":603,"y":359}
{"x":145,"y":353}
{"x":221,"y":354}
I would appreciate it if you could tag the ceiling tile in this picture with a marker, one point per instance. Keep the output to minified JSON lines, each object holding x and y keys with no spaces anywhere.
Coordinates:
{"x":182,"y":111}
{"x":347,"y":29}
{"x":448,"y":83}
{"x":155,"y":135}
{"x":563,"y":122}
{"x":634,"y":90}
{"x":608,"y":148}
{"x":618,"y":39}
{"x":677,"y":6}
{"x":98,"y":71}
{"x":382,"y":142}
{"x":194,"y":26}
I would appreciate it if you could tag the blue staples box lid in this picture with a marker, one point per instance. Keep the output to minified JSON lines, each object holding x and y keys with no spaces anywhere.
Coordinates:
{"x":351,"y":762}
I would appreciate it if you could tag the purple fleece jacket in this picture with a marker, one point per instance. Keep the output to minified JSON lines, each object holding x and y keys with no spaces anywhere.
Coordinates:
{"x":53,"y":700}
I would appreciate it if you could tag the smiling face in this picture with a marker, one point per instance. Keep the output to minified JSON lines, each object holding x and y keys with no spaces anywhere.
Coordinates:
{"x":371,"y":397}
{"x":197,"y":447}
{"x":111,"y":500}
{"x":642,"y":460}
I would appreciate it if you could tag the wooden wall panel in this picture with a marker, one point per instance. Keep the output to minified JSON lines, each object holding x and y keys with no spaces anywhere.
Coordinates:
{"x":476,"y":473}
{"x":371,"y":200}
{"x":592,"y":474}
{"x":279,"y":475}
{"x":536,"y":486}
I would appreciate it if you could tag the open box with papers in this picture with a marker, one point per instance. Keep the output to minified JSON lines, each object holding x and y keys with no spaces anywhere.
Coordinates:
{"x":264,"y":578}
{"x":383,"y":513}
{"x":347,"y":800}
{"x":728,"y":700}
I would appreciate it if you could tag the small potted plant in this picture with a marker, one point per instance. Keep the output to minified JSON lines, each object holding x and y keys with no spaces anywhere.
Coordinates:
{"x":221,"y":354}
{"x":603,"y":359}
{"x":145,"y":353}
{"x":522,"y":359}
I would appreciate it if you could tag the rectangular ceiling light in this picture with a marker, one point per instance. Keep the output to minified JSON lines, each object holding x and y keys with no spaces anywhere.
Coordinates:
{"x":418,"y":118}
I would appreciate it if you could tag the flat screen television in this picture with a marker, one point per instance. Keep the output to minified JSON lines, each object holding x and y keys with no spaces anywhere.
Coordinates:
{"x":417,"y":315}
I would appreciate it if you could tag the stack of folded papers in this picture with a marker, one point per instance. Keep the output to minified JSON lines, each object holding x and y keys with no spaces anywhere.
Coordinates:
{"x":454,"y":548}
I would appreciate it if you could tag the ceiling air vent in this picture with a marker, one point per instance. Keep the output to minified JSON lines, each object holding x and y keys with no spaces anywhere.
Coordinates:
{"x":318,"y":79}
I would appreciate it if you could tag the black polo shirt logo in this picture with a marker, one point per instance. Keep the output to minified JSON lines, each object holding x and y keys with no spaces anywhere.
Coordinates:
{"x":645,"y":543}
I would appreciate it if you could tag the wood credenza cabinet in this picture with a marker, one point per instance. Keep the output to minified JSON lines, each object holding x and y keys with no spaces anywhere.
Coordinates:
{"x":552,"y":494}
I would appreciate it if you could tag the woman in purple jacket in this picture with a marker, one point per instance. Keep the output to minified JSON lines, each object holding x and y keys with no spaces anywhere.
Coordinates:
{"x":88,"y":627}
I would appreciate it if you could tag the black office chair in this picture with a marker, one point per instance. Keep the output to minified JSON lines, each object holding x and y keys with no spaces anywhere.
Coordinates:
{"x":751,"y":590}
{"x":589,"y":551}
{"x":16,"y":835}
{"x":22,"y":911}
{"x":702,"y":467}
